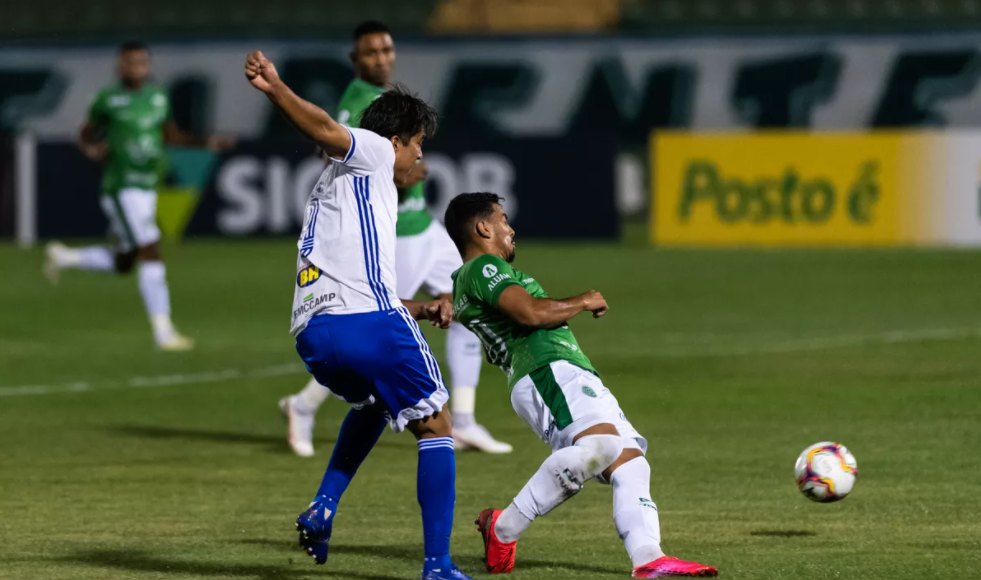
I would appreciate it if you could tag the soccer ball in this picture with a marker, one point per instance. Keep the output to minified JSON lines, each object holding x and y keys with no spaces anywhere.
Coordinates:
{"x":826,"y":472}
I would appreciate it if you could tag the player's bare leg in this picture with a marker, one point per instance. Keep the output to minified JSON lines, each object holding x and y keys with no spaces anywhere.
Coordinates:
{"x":124,"y":262}
{"x":156,"y":297}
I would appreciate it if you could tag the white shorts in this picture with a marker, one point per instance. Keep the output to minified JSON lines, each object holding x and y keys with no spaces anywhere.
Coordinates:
{"x":563,"y":400}
{"x":425,"y":261}
{"x":132,"y":217}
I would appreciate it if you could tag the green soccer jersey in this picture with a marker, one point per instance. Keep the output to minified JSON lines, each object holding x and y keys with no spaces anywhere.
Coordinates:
{"x":413,"y":219}
{"x":517,"y":350}
{"x":133,"y":124}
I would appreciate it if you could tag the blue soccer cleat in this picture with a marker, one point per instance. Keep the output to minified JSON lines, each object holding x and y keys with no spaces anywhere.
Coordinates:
{"x":315,"y":526}
{"x":450,"y":572}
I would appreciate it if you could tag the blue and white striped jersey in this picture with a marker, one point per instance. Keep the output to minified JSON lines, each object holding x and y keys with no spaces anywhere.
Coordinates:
{"x":346,"y":263}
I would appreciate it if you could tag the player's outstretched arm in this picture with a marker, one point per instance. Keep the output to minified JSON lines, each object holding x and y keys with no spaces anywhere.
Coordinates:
{"x":91,"y":145}
{"x":309,"y":119}
{"x":438,"y":312}
{"x":174,"y":135}
{"x":526,"y":310}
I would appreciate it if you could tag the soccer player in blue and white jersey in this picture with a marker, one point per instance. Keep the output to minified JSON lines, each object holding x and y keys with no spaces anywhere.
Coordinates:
{"x":353,"y":333}
{"x":424,"y":259}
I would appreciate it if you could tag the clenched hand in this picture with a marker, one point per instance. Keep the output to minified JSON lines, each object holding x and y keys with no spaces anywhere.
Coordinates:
{"x":261,"y":72}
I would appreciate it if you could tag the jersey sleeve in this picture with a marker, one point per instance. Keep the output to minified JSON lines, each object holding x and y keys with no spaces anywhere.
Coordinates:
{"x":369,"y":152}
{"x":489,"y":276}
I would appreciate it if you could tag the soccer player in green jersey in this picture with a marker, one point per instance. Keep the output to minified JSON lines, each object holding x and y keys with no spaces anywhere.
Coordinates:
{"x":556,"y":390}
{"x":425,"y":257}
{"x":127,"y":127}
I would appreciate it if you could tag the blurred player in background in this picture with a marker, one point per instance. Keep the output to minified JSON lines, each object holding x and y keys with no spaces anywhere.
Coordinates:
{"x":128,"y":125}
{"x":556,"y":390}
{"x":351,"y":329}
{"x":425,"y":257}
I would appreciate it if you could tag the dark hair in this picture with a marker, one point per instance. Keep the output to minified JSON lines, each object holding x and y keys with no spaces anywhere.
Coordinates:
{"x":132,"y":45}
{"x":464,"y":211}
{"x":370,"y":27}
{"x":399,"y":112}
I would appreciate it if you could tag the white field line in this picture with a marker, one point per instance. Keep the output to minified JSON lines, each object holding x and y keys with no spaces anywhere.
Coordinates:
{"x":786,"y":346}
{"x":155,"y":381}
{"x":825,"y":343}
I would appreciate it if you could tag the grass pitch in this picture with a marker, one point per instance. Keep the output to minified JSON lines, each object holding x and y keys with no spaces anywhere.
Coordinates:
{"x":121,"y":462}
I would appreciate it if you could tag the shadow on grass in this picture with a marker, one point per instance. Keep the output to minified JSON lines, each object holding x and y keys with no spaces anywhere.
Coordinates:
{"x":411,"y":553}
{"x":142,"y":562}
{"x":275,"y":442}
{"x":405,"y":553}
{"x":783,"y":533}
{"x":153,"y":432}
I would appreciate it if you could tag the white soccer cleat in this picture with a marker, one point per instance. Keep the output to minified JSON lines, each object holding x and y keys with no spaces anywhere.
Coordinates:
{"x":477,"y":437}
{"x":51,"y":269}
{"x":299,"y":427}
{"x":175,"y":342}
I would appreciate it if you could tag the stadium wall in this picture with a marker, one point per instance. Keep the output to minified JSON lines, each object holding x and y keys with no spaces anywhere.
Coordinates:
{"x":540,"y":87}
{"x":598,"y":92}
{"x":261,"y":188}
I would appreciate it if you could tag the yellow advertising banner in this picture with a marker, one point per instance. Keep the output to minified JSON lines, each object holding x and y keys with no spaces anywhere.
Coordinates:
{"x":815,"y":189}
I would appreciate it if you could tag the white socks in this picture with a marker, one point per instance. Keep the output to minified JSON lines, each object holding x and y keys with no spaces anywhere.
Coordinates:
{"x":156,"y":297}
{"x":634,"y":514}
{"x":310,"y":398}
{"x":89,"y":258}
{"x":463,"y":357}
{"x":463,"y":400}
{"x":560,"y":477}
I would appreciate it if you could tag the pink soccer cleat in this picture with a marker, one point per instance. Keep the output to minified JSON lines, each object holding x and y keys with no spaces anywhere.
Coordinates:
{"x":498,"y":556}
{"x":667,"y":566}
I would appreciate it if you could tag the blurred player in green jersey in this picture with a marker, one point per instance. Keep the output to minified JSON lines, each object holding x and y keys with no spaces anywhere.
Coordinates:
{"x":127,"y":127}
{"x":557,"y":392}
{"x":425,"y":257}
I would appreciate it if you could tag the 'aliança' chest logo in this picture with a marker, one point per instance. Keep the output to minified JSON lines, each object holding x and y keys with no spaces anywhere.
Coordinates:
{"x":490,"y":271}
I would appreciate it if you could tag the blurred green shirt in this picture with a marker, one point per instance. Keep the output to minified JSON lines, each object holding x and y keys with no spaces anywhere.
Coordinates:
{"x":132,"y":122}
